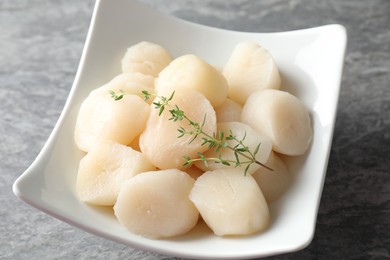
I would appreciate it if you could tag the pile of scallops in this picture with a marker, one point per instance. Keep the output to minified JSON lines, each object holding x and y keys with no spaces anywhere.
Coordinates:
{"x":134,"y":159}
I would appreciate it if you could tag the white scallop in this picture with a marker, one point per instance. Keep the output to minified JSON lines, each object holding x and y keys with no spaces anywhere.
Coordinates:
{"x":273,"y":183}
{"x":159,"y":141}
{"x":229,"y":111}
{"x":145,"y":57}
{"x":130,"y":83}
{"x":282,"y":117}
{"x":251,"y":139}
{"x":105,"y":168}
{"x":155,"y":204}
{"x":189,"y":71}
{"x":102,"y":118}
{"x":230,"y":203}
{"x":250,"y":68}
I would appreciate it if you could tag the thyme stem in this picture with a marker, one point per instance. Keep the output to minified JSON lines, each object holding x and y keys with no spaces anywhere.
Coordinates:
{"x":213,"y":141}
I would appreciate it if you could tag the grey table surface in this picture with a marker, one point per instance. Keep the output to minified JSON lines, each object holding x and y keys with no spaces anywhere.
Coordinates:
{"x":40,"y":46}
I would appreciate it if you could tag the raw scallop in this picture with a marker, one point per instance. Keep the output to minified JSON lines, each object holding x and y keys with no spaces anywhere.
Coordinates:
{"x":229,"y":111}
{"x":129,"y":83}
{"x":105,"y":168}
{"x":102,"y":118}
{"x":159,"y":141}
{"x":230,"y":203}
{"x":145,"y":57}
{"x":273,"y":183}
{"x":282,"y":117}
{"x":250,"y":68}
{"x":251,"y":139}
{"x":155,"y":204}
{"x":189,"y":71}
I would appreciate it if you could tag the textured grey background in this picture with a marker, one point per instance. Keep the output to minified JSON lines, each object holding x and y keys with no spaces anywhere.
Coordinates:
{"x":40,"y":47}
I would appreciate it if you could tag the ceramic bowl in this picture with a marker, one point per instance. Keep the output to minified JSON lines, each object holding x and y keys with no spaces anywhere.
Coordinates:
{"x":310,"y":62}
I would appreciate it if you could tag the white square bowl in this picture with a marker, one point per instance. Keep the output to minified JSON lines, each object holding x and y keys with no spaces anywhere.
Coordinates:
{"x":310,"y":62}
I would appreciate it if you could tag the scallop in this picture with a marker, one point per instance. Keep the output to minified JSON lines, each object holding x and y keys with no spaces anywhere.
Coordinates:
{"x":160,"y":140}
{"x":129,"y":83}
{"x":190,"y":71}
{"x":229,"y":111}
{"x":105,"y":168}
{"x":230,"y":203}
{"x":155,"y":204}
{"x":145,"y":57}
{"x":273,"y":183}
{"x":249,"y":137}
{"x":250,"y":68}
{"x":282,"y":117}
{"x":102,"y":118}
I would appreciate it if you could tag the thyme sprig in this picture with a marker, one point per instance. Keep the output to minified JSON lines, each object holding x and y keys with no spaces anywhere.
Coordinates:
{"x":215,"y":141}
